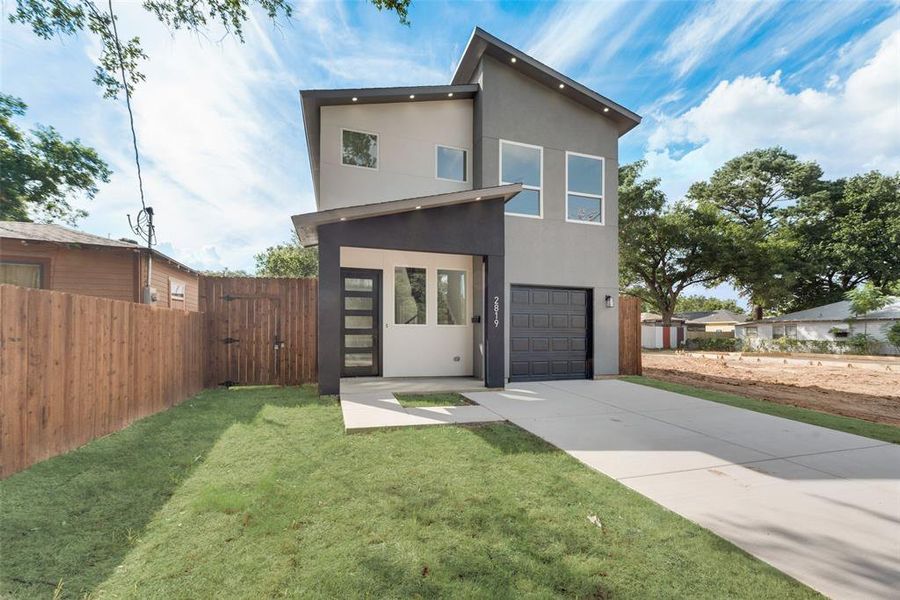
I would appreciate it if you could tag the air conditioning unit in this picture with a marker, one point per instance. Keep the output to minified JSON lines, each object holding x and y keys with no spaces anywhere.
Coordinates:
{"x":150,"y":295}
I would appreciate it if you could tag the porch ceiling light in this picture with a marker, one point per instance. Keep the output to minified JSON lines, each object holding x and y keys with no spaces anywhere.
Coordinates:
{"x":343,"y":218}
{"x":478,"y":198}
{"x":418,"y":207}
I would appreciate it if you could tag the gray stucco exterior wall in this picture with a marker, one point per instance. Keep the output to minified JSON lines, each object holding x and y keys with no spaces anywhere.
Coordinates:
{"x":475,"y":228}
{"x":551,"y":251}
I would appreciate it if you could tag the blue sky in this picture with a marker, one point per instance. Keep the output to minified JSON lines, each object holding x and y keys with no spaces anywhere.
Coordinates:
{"x":221,"y":134}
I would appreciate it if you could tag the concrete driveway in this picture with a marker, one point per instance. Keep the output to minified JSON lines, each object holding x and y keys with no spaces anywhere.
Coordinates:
{"x":821,"y":505}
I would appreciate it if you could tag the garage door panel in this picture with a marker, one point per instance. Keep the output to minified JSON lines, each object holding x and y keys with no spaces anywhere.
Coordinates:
{"x":549,"y":333}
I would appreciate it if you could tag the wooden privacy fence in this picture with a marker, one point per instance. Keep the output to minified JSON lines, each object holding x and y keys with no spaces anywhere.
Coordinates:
{"x":73,"y":368}
{"x":629,"y":335}
{"x":259,"y":330}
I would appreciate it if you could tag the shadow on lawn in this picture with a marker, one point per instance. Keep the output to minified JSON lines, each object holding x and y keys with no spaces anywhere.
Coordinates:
{"x":73,"y":518}
{"x":509,"y":438}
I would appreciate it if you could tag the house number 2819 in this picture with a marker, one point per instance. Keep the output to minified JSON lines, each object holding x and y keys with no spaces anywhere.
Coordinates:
{"x":496,"y":311}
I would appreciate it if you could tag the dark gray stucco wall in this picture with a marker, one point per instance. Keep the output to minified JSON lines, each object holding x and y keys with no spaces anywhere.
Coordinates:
{"x":475,"y":228}
{"x":552,"y":251}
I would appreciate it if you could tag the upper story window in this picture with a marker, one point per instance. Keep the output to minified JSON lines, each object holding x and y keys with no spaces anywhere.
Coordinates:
{"x":359,"y":149}
{"x":584,"y":188}
{"x":523,"y":163}
{"x":450,"y":163}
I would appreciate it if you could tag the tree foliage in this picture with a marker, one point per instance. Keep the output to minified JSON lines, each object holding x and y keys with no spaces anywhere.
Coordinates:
{"x":56,"y":18}
{"x":699,"y":303}
{"x":664,"y":249}
{"x":288,"y":260}
{"x":40,"y":172}
{"x":752,"y":193}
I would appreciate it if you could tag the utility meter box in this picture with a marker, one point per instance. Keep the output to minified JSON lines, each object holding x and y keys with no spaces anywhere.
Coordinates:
{"x":150,"y":295}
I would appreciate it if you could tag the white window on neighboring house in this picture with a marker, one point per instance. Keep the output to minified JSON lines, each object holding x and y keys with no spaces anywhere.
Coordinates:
{"x":450,"y":163}
{"x":790,"y":331}
{"x":23,"y":274}
{"x":523,"y":163}
{"x":777,"y":331}
{"x":177,"y":290}
{"x":584,"y":188}
{"x":750,"y":332}
{"x":359,"y":149}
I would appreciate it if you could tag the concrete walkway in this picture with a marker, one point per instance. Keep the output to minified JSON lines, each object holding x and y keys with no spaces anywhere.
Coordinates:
{"x":368,"y":404}
{"x":821,"y":505}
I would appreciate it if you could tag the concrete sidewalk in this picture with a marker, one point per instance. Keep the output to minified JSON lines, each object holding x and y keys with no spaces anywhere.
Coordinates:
{"x":821,"y":505}
{"x":363,"y":411}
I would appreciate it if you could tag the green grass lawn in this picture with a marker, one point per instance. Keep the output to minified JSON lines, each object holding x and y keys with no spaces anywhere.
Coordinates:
{"x":878,"y":431}
{"x":260,"y":494}
{"x":438,"y":399}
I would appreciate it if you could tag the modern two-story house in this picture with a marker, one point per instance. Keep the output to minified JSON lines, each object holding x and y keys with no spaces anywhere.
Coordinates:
{"x":467,"y":229}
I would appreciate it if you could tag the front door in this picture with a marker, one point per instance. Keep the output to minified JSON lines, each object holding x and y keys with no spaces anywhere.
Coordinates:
{"x":360,"y":322}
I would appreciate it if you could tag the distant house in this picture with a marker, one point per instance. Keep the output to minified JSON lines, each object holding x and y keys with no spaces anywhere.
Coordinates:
{"x":655,"y":336}
{"x":58,"y":258}
{"x":828,"y":323}
{"x":719,"y":321}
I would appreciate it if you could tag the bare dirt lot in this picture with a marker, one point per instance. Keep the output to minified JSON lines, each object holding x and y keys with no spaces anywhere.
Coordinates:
{"x":872,"y":393}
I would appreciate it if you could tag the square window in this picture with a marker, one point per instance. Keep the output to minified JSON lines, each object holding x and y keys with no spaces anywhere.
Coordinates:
{"x":176,"y":290}
{"x":409,"y":296}
{"x":359,"y":149}
{"x":451,"y":297}
{"x":751,"y":333}
{"x":450,"y":163}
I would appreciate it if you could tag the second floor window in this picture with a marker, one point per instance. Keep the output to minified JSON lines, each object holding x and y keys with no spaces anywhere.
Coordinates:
{"x":584,"y":188}
{"x":521,"y":163}
{"x":359,"y":149}
{"x":450,"y":163}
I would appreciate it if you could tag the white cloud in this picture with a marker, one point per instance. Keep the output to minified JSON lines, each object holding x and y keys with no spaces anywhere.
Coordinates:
{"x":849,"y":129}
{"x":710,"y":25}
{"x":570,"y":31}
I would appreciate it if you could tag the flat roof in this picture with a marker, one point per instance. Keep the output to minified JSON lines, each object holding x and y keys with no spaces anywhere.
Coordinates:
{"x":307,"y":224}
{"x":482,"y":43}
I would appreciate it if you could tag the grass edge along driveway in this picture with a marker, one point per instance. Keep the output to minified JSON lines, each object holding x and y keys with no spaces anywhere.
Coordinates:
{"x":258,"y":493}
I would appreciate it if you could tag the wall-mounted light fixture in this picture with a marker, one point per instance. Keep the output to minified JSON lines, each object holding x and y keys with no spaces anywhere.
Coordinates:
{"x":609,"y":302}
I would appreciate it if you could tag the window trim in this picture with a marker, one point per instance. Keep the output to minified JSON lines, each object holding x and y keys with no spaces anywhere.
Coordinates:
{"x":437,"y":296}
{"x":394,"y":294}
{"x":43,"y":263}
{"x":601,"y":197}
{"x":539,"y":189}
{"x":377,"y":149}
{"x":465,"y":152}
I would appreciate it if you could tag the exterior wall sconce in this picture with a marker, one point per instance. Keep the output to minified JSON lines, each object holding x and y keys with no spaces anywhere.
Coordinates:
{"x":609,"y":302}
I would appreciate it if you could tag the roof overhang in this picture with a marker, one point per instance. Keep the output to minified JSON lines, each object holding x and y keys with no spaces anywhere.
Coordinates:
{"x":307,"y":225}
{"x":313,"y":100}
{"x":484,"y":44}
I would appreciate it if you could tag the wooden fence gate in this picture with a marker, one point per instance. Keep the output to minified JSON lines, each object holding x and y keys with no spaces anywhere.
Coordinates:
{"x":259,"y":331}
{"x":629,"y":335}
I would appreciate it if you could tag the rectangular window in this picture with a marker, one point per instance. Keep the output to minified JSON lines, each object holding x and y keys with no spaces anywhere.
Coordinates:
{"x":359,"y":149}
{"x":22,"y":274}
{"x":777,"y":331}
{"x":790,"y":331}
{"x":521,"y":163}
{"x":450,"y":163}
{"x":584,"y":188}
{"x":176,"y":290}
{"x":451,"y":297}
{"x":409,"y":296}
{"x":750,"y":332}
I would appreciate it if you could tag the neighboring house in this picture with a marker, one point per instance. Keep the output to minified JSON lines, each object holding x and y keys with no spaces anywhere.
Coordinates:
{"x":711,"y":321}
{"x":467,"y":229}
{"x":57,"y":258}
{"x":655,"y":336}
{"x":828,"y":323}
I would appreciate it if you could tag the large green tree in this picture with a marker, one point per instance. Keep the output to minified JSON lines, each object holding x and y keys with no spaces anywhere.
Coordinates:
{"x":753,"y":192}
{"x":846,"y":237}
{"x":288,"y":260}
{"x":41,"y":173}
{"x":56,"y":18}
{"x":699,"y":302}
{"x":664,"y":248}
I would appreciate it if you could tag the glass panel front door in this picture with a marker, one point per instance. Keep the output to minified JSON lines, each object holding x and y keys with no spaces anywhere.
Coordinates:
{"x":360,"y":322}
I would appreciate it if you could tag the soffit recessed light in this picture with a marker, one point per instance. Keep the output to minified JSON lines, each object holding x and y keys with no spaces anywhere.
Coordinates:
{"x":412,"y":96}
{"x":354,"y":98}
{"x":343,"y":218}
{"x":418,"y":207}
{"x":605,"y":109}
{"x":562,"y":86}
{"x":478,"y":198}
{"x":450,"y":95}
{"x":513,"y":59}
